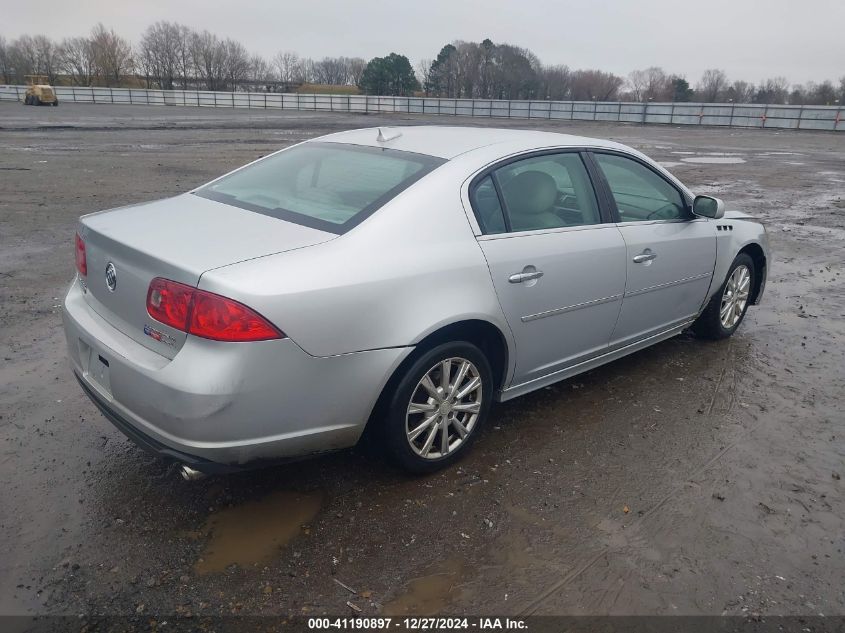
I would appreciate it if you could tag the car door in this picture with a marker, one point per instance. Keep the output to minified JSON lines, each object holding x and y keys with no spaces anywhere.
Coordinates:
{"x":670,"y":252}
{"x":558,"y":264}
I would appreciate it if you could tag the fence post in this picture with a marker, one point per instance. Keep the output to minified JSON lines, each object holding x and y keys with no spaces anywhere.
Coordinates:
{"x":765,"y":115}
{"x":595,"y":109}
{"x":529,"y":110}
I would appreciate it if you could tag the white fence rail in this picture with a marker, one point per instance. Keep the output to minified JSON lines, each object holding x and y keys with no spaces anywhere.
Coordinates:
{"x":743,"y":115}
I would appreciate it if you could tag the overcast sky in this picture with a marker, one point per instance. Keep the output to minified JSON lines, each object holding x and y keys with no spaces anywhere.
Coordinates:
{"x":750,"y":39}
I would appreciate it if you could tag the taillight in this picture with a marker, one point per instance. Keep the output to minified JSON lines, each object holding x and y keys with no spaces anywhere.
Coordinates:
{"x":206,"y":314}
{"x":81,"y":263}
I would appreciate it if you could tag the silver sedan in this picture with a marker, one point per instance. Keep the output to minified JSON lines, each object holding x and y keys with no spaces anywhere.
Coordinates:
{"x":398,"y":280}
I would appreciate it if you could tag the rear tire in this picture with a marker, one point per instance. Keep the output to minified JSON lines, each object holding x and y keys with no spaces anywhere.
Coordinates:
{"x":26,"y":100}
{"x":727,"y":307}
{"x":56,"y":103}
{"x":431,"y":421}
{"x":36,"y":100}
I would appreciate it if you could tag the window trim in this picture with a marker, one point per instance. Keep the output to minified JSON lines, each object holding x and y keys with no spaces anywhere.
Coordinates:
{"x":610,"y":200}
{"x":490,"y":170}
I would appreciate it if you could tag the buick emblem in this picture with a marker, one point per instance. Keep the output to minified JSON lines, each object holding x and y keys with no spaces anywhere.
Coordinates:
{"x":111,"y":277}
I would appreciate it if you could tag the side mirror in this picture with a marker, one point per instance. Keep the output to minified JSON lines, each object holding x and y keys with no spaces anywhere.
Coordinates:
{"x":708,"y":207}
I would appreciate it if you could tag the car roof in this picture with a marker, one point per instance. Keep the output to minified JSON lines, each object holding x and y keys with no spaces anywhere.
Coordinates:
{"x":451,"y":141}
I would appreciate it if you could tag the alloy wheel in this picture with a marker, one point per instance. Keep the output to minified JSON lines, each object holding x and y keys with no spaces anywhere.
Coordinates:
{"x":735,"y":297}
{"x":444,"y":408}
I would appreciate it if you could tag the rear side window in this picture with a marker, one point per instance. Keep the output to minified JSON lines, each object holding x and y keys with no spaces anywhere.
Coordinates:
{"x":327,"y":186}
{"x":549,"y":191}
{"x":489,"y":212}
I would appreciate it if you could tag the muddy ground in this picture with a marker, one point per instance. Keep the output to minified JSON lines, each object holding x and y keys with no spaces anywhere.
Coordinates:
{"x":690,"y":478}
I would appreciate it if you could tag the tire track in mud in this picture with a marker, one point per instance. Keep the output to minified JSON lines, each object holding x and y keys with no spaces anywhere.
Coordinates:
{"x":550,"y":591}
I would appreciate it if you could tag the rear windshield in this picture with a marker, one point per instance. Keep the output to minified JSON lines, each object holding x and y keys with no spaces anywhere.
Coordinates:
{"x":327,"y":186}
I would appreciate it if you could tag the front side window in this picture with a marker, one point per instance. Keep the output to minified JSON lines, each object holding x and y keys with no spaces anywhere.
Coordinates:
{"x":547,"y":192}
{"x":328,"y":186}
{"x":640,"y":193}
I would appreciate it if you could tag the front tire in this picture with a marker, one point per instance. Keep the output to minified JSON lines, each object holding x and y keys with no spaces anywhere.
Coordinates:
{"x":439,"y":404}
{"x":56,"y":103}
{"x":727,"y":307}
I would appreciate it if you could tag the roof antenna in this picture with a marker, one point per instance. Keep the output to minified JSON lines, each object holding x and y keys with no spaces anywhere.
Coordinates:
{"x":389,"y":135}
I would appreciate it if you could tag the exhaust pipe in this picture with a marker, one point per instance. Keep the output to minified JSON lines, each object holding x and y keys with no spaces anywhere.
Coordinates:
{"x":189,"y":474}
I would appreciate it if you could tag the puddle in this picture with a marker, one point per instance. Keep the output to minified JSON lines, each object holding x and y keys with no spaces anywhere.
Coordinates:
{"x":429,"y":594}
{"x":716,"y":160}
{"x":256,"y":530}
{"x":670,"y":163}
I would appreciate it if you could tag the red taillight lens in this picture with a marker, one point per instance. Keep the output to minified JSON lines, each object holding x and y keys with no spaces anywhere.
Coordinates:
{"x":206,"y":314}
{"x":170,"y":302}
{"x":222,"y":319}
{"x":81,"y":263}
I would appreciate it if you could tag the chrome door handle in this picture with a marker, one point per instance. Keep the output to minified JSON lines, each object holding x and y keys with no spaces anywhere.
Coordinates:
{"x":518,"y":278}
{"x":646,"y":256}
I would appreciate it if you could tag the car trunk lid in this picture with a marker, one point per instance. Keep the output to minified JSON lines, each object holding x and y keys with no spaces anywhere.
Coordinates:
{"x":179,"y":239}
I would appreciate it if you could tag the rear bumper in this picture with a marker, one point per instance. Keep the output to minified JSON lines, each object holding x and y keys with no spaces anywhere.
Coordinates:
{"x":217,"y":406}
{"x":146,"y":442}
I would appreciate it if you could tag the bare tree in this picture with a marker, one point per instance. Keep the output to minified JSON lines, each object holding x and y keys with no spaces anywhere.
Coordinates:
{"x":331,"y":70}
{"x":5,"y":61}
{"x":289,"y":66}
{"x":77,"y":60}
{"x":423,"y":73}
{"x":555,"y":82}
{"x":24,"y":58}
{"x":209,"y":63}
{"x":164,"y":53}
{"x":774,"y":90}
{"x":236,"y":62}
{"x":589,"y":85}
{"x":740,"y":92}
{"x":113,"y":54}
{"x":259,"y":70}
{"x":651,"y":84}
{"x":712,"y":85}
{"x":355,"y":67}
{"x":637,"y":80}
{"x":48,"y":57}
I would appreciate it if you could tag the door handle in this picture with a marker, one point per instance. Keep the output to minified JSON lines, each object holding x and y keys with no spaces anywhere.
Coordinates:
{"x":518,"y":278}
{"x":646,"y":256}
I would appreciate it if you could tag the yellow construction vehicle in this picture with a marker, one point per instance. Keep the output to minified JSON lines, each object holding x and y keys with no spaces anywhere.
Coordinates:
{"x":38,"y":91}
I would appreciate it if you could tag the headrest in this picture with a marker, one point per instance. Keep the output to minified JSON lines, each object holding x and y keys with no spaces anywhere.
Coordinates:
{"x":531,"y":192}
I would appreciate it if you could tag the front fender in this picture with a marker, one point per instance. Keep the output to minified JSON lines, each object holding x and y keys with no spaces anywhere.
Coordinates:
{"x":738,"y":231}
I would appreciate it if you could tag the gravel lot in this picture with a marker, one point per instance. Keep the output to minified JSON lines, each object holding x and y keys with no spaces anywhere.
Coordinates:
{"x":690,"y":478}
